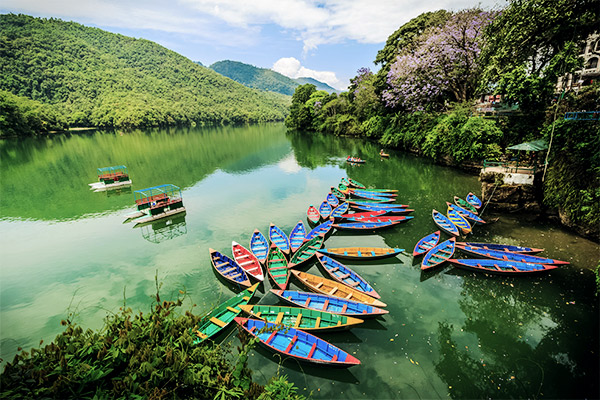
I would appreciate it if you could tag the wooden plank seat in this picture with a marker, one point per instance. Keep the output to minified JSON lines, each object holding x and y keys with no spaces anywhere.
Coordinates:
{"x":235,"y":275}
{"x":246,"y":262}
{"x":344,"y":276}
{"x":228,"y":270}
{"x":353,"y":284}
{"x":332,"y":291}
{"x":291,"y":345}
{"x":318,"y":322}
{"x":279,"y":318}
{"x":298,"y":319}
{"x":271,"y":337}
{"x":344,"y":308}
{"x":325,"y":305}
{"x":312,"y":350}
{"x":234,"y":310}
{"x":200,"y":334}
{"x":218,"y":322}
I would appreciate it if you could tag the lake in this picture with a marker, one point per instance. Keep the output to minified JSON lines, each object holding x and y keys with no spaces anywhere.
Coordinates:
{"x":66,"y":253}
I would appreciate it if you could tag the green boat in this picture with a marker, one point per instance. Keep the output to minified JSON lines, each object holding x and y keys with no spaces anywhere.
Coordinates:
{"x":464,"y":204}
{"x":301,"y":318}
{"x":356,"y":184}
{"x":277,"y":267}
{"x":217,"y":319}
{"x":306,"y":251}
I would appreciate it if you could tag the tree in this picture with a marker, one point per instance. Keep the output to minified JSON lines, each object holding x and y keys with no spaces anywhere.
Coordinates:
{"x":300,"y":117}
{"x":363,"y":94}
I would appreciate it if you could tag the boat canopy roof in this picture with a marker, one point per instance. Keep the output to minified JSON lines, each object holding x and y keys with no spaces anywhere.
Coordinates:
{"x":168,"y":190}
{"x":112,"y":170}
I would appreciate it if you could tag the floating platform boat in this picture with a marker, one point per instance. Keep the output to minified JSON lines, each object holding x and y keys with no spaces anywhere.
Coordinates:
{"x":361,"y":253}
{"x":500,"y":267}
{"x":332,"y":304}
{"x":157,"y":202}
{"x":426,"y":243}
{"x":111,"y":178}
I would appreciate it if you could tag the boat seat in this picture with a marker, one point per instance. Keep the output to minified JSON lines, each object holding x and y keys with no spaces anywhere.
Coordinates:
{"x":201,"y":335}
{"x":291,"y":345}
{"x":344,"y":276}
{"x":307,"y":302}
{"x":253,"y":329}
{"x":344,"y":308}
{"x":353,"y":284}
{"x":279,"y":318}
{"x":228,"y":270}
{"x":318,"y":285}
{"x":235,"y":275}
{"x":246,"y":262}
{"x":334,"y":358}
{"x":270,"y":338}
{"x":277,"y":259}
{"x":317,"y":322}
{"x":298,"y":319}
{"x":332,"y":291}
{"x":312,"y":350}
{"x":246,"y":298}
{"x":325,"y":305}
{"x":334,"y":269}
{"x":234,"y":310}
{"x":349,"y":296}
{"x":218,"y":322}
{"x":221,"y":264}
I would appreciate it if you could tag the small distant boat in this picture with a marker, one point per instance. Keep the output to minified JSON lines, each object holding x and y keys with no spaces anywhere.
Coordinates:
{"x":339,"y":210}
{"x":366,"y":214}
{"x":507,"y":255}
{"x":313,"y":214}
{"x":503,"y":247}
{"x":426,"y":243}
{"x":248,"y":261}
{"x":333,"y":288}
{"x":464,"y":204}
{"x":500,"y":267}
{"x":361,"y":253}
{"x":332,"y":200}
{"x":347,"y":276}
{"x":277,"y":236}
{"x":228,"y":268}
{"x":388,"y":210}
{"x":297,"y":344}
{"x":277,"y":267}
{"x":356,"y":184}
{"x":306,"y":251}
{"x":355,"y":160}
{"x":368,"y":226}
{"x":458,"y":220}
{"x":259,"y":246}
{"x":444,"y":223}
{"x":297,"y":236}
{"x":320,"y":230}
{"x":301,"y":318}
{"x":332,"y":304}
{"x":439,"y":254}
{"x":222,"y":315}
{"x":473,"y":200}
{"x":325,"y":210}
{"x":111,"y":178}
{"x":468,"y":215}
{"x":382,"y":154}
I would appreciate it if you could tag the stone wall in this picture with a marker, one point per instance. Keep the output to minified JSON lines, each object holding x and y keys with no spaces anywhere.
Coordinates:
{"x":509,"y":197}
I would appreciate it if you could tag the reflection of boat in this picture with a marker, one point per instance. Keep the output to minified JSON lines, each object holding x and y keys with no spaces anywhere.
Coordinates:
{"x":155,"y":203}
{"x":111,"y":178}
{"x":165,"y":229}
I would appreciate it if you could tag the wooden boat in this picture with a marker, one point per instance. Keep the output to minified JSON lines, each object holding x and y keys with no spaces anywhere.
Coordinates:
{"x":388,"y":210}
{"x":464,"y":204}
{"x":375,"y":205}
{"x":473,"y":200}
{"x":278,"y":236}
{"x":344,"y":181}
{"x":297,"y":344}
{"x":341,"y":196}
{"x":373,"y":196}
{"x":313,"y":214}
{"x":384,"y":155}
{"x":507,"y":255}
{"x":444,"y":223}
{"x":375,"y":192}
{"x":502,"y":247}
{"x":158,"y":202}
{"x":355,"y":160}
{"x":459,"y":221}
{"x":374,"y":200}
{"x":306,"y":251}
{"x":339,"y":210}
{"x":297,"y":236}
{"x":277,"y":267}
{"x":332,"y":304}
{"x":248,"y":261}
{"x":382,"y":218}
{"x":439,"y":254}
{"x":361,"y":253}
{"x":325,"y":210}
{"x":222,"y":315}
{"x":111,"y":178}
{"x":332,"y":200}
{"x":346,"y":276}
{"x":466,"y":214}
{"x":356,"y":184}
{"x":301,"y":318}
{"x":333,"y":288}
{"x":259,"y":246}
{"x":501,"y":267}
{"x":366,"y":214}
{"x":320,"y":230}
{"x":426,"y":243}
{"x":228,"y":268}
{"x":368,"y":226}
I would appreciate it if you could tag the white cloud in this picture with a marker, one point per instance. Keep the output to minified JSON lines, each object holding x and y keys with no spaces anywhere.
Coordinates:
{"x":292,"y":68}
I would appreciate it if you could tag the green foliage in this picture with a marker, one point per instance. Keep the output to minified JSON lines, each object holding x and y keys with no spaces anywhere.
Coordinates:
{"x":300,"y":117}
{"x":22,"y":116}
{"x":279,"y":388}
{"x":257,"y":78}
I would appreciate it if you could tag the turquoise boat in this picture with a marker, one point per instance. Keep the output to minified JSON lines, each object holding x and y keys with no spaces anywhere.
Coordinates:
{"x":297,"y":236}
{"x":426,"y":243}
{"x":259,"y":246}
{"x":439,"y":254}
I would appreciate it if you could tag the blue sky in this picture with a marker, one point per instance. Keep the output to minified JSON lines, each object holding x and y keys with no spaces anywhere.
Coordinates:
{"x":328,"y":40}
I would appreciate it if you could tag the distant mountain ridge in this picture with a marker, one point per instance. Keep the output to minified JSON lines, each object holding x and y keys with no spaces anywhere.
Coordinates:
{"x":264,"y":79}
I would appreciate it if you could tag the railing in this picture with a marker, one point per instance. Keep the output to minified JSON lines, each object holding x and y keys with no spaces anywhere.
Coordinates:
{"x":511,"y":167}
{"x":583,"y":115}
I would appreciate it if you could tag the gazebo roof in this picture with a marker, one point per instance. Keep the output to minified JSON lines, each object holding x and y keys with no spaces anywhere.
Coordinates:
{"x":536,"y":145}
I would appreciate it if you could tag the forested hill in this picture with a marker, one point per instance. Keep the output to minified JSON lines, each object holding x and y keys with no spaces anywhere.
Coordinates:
{"x":264,"y":79}
{"x":91,"y":77}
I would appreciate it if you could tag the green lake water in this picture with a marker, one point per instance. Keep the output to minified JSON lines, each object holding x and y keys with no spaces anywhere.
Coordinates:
{"x":66,"y":252}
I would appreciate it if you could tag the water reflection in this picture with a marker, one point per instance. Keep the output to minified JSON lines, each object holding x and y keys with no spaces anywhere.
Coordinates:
{"x":165,"y":229}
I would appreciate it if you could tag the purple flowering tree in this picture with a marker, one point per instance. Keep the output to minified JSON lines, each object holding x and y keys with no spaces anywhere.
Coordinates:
{"x":442,"y":66}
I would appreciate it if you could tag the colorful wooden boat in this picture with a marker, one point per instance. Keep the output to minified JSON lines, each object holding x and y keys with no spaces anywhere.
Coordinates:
{"x":503,"y":247}
{"x":473,"y":200}
{"x":341,"y":196}
{"x":375,"y":204}
{"x":247,"y":260}
{"x":228,"y":268}
{"x":466,"y":214}
{"x":278,"y":236}
{"x":301,"y":318}
{"x":439,"y":254}
{"x":306,"y":251}
{"x":464,"y":204}
{"x":347,"y":276}
{"x":259,"y":246}
{"x":277,"y":267}
{"x":333,"y":288}
{"x":368,"y":226}
{"x":297,"y":236}
{"x":356,"y":184}
{"x":374,"y":192}
{"x":444,"y":223}
{"x":366,"y":214}
{"x":373,"y":196}
{"x":355,"y":160}
{"x":501,"y":267}
{"x":332,"y":200}
{"x":339,"y":210}
{"x":332,"y":304}
{"x":297,"y":344}
{"x":507,"y":255}
{"x":459,"y":221}
{"x":382,"y":218}
{"x":344,"y":181}
{"x":325,"y":210}
{"x":313,"y":214}
{"x":380,"y":200}
{"x":361,"y":253}
{"x":388,"y":210}
{"x":320,"y":230}
{"x":222,"y":315}
{"x":426,"y":243}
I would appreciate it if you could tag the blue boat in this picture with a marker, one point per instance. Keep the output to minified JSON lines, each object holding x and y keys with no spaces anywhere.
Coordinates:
{"x":507,"y":255}
{"x":439,"y":254}
{"x":468,"y":215}
{"x":388,"y":210}
{"x":297,"y":344}
{"x":359,"y":192}
{"x":473,"y":200}
{"x":459,"y":221}
{"x":504,"y":247}
{"x":361,"y":253}
{"x":332,"y":200}
{"x":373,"y":196}
{"x":277,"y":236}
{"x":444,"y":223}
{"x":320,"y":230}
{"x":325,"y":210}
{"x":339,"y":210}
{"x":368,"y":226}
{"x":376,"y":205}
{"x":501,"y":267}
{"x":332,"y":304}
{"x":345,"y":275}
{"x":297,"y":236}
{"x":259,"y":246}
{"x":371,"y":200}
{"x":426,"y":243}
{"x":228,"y":268}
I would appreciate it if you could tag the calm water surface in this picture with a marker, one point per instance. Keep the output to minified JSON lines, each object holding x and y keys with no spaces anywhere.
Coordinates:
{"x":66,"y":252}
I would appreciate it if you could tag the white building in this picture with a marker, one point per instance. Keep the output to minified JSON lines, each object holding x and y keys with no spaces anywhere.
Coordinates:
{"x":590,"y":52}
